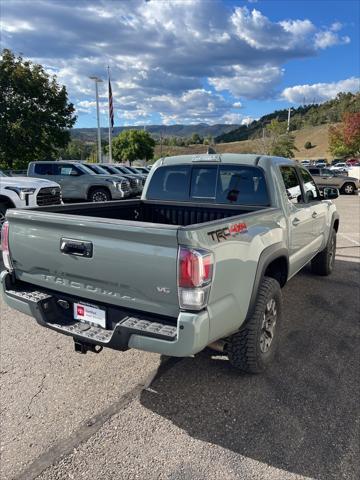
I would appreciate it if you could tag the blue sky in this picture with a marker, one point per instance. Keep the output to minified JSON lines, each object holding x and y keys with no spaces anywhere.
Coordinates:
{"x":192,"y":61}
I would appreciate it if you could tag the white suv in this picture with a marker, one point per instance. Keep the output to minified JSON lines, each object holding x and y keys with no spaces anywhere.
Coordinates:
{"x":16,"y":192}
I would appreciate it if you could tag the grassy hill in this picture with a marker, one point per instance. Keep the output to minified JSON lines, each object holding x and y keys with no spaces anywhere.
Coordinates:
{"x":318,"y":136}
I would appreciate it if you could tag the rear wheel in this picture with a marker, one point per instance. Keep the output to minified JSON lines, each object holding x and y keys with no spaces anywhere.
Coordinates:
{"x":348,"y":189}
{"x":252,"y":349}
{"x":99,"y":195}
{"x":323,"y":262}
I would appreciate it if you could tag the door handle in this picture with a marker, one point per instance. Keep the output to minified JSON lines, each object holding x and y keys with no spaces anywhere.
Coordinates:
{"x":314,"y":215}
{"x":295,"y":222}
{"x":78,"y":248}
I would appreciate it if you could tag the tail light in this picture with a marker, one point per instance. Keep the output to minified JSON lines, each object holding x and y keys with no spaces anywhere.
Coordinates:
{"x":195,"y":271}
{"x":5,"y":246}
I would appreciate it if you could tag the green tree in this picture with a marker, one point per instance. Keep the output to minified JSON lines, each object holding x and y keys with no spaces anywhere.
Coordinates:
{"x":284,"y":147}
{"x":195,"y":138}
{"x":209,"y":140}
{"x":75,"y":150}
{"x":276,"y":141}
{"x":35,"y":115}
{"x":131,"y":145}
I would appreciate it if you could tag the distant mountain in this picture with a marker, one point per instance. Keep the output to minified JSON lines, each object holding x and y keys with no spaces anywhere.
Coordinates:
{"x":301,"y":117}
{"x":204,"y":130}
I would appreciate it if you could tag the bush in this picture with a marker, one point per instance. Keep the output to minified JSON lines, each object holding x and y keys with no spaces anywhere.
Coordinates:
{"x":308,"y":145}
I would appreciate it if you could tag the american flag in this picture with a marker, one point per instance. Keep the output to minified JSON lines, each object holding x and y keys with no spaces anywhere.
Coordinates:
{"x":111,"y":107}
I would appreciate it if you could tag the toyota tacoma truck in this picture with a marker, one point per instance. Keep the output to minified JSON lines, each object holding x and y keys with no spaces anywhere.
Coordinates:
{"x":200,"y":260}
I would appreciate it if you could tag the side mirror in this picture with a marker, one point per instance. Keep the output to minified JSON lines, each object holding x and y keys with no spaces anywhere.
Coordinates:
{"x":330,"y":193}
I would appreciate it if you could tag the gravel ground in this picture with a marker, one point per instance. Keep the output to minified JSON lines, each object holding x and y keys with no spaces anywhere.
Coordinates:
{"x":136,"y":415}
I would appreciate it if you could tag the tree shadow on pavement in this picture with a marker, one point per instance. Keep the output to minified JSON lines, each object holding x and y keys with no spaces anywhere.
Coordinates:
{"x":301,"y":415}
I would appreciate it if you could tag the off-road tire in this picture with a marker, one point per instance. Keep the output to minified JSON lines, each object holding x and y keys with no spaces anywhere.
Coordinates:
{"x":323,"y":262}
{"x":244,"y":348}
{"x":348,"y":188}
{"x":99,"y":194}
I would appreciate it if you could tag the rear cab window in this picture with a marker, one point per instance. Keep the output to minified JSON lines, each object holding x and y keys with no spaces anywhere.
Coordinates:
{"x":222,"y":184}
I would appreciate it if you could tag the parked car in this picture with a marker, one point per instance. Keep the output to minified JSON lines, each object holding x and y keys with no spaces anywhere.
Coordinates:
{"x":353,"y":162}
{"x":17,"y":192}
{"x":143,"y":170}
{"x":320,"y":163}
{"x":99,"y":170}
{"x":139,"y":172}
{"x":340,"y":167}
{"x":199,"y":260}
{"x":136,"y":183}
{"x":324,"y":177}
{"x":79,"y":182}
{"x":305,"y":163}
{"x":126,"y":168}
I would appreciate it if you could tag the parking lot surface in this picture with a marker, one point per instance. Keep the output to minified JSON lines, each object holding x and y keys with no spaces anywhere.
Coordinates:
{"x":137,"y":415}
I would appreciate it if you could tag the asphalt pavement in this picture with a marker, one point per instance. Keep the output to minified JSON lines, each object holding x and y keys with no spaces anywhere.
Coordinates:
{"x":136,"y":415}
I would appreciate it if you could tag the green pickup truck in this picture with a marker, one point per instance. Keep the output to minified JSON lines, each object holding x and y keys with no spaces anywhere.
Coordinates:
{"x":199,"y":260}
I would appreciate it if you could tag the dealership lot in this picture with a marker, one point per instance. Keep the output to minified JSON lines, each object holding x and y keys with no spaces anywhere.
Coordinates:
{"x":136,"y":415}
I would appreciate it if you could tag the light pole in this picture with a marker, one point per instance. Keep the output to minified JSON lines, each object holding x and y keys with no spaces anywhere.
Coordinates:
{"x":97,"y":80}
{"x":288,"y":120}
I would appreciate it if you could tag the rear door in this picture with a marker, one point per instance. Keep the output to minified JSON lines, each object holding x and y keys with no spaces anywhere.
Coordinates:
{"x":318,"y":208}
{"x":67,"y":175}
{"x":301,"y":235}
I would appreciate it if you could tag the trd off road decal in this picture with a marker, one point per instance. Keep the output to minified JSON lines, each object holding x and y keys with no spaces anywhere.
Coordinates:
{"x":227,"y":232}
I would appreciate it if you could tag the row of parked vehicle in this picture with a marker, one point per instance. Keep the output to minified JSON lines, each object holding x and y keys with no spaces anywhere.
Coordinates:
{"x":337,"y":165}
{"x":48,"y":183}
{"x":90,"y":181}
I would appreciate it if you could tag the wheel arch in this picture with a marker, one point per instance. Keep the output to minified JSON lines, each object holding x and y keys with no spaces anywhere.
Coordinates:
{"x":7,"y":201}
{"x":273,"y":262}
{"x":96,"y":187}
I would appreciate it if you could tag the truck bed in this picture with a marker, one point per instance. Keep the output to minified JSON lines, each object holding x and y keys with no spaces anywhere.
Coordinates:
{"x":133,"y":248}
{"x":165,"y":213}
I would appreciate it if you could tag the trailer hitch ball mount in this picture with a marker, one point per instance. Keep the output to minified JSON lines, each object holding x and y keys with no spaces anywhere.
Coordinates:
{"x":81,"y":347}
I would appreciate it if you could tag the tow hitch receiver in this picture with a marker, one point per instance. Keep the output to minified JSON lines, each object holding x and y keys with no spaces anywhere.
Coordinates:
{"x":81,"y":347}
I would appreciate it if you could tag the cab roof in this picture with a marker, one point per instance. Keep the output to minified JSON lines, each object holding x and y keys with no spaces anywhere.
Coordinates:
{"x":236,"y":158}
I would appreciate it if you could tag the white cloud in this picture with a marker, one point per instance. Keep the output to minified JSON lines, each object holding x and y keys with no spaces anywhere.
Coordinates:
{"x":320,"y":92}
{"x":247,"y":120}
{"x":16,"y":26}
{"x":248,"y":82}
{"x":163,"y":53}
{"x":329,"y":38}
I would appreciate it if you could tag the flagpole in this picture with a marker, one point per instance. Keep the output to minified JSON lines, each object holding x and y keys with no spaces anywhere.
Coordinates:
{"x":109,"y":118}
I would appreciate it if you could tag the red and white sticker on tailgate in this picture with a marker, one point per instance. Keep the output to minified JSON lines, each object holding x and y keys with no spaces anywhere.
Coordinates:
{"x":90,"y":313}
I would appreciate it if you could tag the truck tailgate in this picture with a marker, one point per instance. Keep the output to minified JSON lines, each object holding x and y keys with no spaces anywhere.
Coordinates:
{"x":132,"y":265}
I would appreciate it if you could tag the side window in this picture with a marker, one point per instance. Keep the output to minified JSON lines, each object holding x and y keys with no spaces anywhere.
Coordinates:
{"x":68,"y":170}
{"x":314,"y":171}
{"x":44,"y":169}
{"x":292,"y":184}
{"x":203,"y":182}
{"x":311,"y":191}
